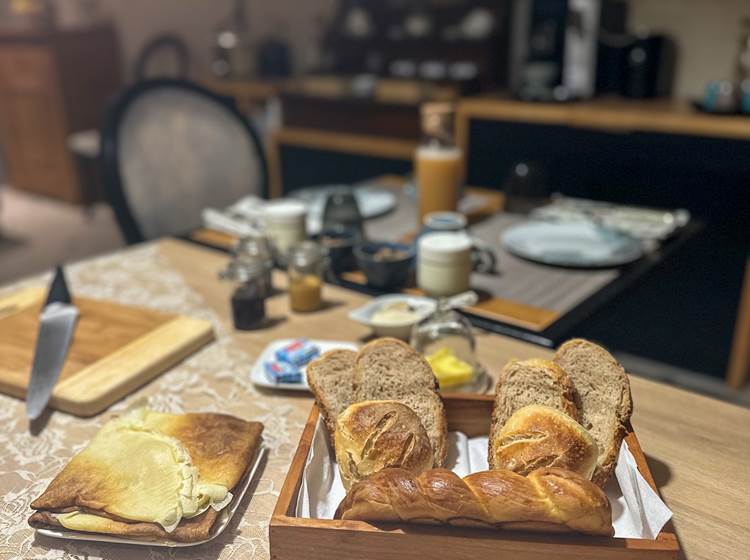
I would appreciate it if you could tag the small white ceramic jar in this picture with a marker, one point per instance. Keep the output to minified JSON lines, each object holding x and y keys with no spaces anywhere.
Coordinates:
{"x":444,"y":263}
{"x":284,"y":223}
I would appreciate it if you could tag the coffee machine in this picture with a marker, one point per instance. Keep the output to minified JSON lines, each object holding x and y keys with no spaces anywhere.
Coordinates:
{"x":553,"y":49}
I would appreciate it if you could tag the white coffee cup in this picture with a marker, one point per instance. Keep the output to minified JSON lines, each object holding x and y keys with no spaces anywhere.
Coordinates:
{"x":284,"y":222}
{"x":444,"y":263}
{"x":446,"y":259}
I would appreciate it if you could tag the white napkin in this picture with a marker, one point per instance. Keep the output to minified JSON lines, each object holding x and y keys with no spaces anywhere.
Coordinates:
{"x":637,"y":511}
{"x":241,"y":218}
{"x":643,"y":512}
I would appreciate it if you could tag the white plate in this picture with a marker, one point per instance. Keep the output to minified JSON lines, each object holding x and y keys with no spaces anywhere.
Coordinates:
{"x":225,"y":516}
{"x":258,"y":373}
{"x":424,"y":306}
{"x":372,"y":202}
{"x":579,"y":244}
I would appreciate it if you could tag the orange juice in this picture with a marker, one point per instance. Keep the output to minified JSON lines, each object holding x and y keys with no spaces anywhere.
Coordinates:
{"x":439,"y":174}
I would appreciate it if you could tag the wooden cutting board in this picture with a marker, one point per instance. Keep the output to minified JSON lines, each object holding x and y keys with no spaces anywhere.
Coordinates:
{"x":115,"y":349}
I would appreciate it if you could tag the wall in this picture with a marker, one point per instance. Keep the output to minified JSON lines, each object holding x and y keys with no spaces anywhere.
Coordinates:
{"x":707,"y":34}
{"x":706,"y":30}
{"x":195,"y":21}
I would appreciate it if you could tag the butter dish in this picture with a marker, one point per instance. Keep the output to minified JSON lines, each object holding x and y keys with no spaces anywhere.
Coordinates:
{"x":399,"y":326}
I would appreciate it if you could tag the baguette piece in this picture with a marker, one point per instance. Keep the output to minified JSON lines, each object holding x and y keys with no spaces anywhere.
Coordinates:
{"x":549,"y":499}
{"x":331,"y":380}
{"x":389,"y":369}
{"x":373,"y":435}
{"x":539,"y":436}
{"x":602,"y":398}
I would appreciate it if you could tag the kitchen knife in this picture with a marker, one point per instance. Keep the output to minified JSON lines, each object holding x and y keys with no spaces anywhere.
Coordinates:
{"x":56,"y":327}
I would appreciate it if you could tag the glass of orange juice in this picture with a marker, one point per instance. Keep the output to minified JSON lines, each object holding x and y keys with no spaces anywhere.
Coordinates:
{"x":438,"y":162}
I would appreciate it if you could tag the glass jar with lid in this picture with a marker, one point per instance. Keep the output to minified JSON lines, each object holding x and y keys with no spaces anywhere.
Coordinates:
{"x":447,"y":341}
{"x":250,"y":269}
{"x":249,"y":296}
{"x":253,"y":249}
{"x":307,"y":262}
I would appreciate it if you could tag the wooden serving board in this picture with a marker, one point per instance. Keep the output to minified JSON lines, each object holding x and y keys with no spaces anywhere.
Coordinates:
{"x":293,"y":537}
{"x":115,"y":349}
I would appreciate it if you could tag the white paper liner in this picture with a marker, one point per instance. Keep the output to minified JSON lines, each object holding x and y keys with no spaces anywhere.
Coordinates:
{"x":637,"y":511}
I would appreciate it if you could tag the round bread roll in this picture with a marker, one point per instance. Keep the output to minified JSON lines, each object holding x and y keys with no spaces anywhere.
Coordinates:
{"x":373,"y":435}
{"x":537,"y":436}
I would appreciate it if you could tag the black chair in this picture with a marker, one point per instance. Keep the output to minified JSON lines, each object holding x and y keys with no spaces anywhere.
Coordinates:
{"x":169,"y":53}
{"x":165,"y":56}
{"x":171,"y":148}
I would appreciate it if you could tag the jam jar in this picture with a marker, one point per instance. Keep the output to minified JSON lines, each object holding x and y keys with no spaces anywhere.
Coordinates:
{"x":307,"y":264}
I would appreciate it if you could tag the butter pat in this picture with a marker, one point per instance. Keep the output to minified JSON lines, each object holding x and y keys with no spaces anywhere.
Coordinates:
{"x":397,"y":313}
{"x":450,"y":370}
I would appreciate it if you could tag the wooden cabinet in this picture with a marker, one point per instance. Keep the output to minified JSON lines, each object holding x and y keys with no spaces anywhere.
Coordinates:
{"x":52,"y":84}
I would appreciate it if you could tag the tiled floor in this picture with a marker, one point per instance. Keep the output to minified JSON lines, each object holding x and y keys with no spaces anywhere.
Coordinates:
{"x":36,"y":233}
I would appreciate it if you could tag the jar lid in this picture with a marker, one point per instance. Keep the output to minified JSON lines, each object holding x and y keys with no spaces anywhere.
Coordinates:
{"x":445,"y":221}
{"x":243,"y":270}
{"x":305,"y":253}
{"x":252,"y":246}
{"x":285,"y":210}
{"x":444,"y":246}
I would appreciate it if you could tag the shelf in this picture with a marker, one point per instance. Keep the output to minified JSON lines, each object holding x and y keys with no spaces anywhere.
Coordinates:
{"x":608,"y":115}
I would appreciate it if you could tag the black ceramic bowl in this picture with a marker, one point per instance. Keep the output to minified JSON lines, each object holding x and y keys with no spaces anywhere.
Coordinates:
{"x":386,"y":265}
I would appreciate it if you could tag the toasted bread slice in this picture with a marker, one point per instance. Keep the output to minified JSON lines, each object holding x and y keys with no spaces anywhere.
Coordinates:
{"x":331,"y":379}
{"x":602,"y":398}
{"x":388,"y":369}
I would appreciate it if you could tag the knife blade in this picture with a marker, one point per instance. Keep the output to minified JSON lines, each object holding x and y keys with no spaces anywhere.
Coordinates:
{"x":56,"y":327}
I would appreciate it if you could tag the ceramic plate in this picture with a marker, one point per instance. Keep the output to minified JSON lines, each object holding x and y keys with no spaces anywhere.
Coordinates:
{"x":258,"y":373}
{"x":580,"y":244}
{"x":372,"y":202}
{"x":225,"y":516}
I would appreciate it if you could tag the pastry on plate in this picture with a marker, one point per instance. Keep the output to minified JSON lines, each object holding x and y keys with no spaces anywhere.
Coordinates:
{"x":152,"y":476}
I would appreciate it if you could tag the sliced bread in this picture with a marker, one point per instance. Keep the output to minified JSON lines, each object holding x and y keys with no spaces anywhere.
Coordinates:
{"x":527,"y":382}
{"x":331,"y":380}
{"x":388,"y":369}
{"x":602,"y":398}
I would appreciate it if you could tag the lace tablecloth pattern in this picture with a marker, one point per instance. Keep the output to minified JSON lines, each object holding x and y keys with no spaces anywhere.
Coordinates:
{"x":215,"y":379}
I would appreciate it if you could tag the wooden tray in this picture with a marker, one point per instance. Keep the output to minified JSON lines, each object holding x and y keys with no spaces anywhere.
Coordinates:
{"x":115,"y":349}
{"x":292,"y":537}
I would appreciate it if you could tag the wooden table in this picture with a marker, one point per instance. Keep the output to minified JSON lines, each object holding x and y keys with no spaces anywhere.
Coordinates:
{"x":697,"y":447}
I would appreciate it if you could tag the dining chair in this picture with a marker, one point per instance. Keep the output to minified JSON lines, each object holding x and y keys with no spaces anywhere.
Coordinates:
{"x":166,"y":55}
{"x":738,"y":370}
{"x":171,"y":148}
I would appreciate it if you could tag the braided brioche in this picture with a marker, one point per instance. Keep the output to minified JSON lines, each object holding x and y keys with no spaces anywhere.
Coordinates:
{"x":548,"y":499}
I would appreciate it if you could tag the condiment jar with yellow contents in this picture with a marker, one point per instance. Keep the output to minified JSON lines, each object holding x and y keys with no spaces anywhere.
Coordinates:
{"x":306,"y":266}
{"x":447,"y":342}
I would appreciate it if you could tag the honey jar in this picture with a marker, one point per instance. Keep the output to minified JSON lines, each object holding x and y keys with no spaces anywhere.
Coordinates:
{"x":306,"y":267}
